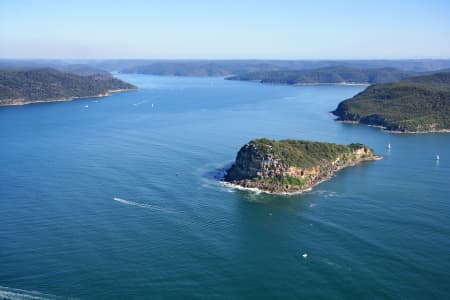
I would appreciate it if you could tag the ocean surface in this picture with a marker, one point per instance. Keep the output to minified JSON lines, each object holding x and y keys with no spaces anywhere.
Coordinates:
{"x":118,"y":198}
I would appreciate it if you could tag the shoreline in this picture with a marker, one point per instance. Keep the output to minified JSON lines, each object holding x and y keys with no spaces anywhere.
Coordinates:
{"x":257,"y":190}
{"x":383,"y":128}
{"x":334,"y":83}
{"x":300,"y":191}
{"x":21,"y":102}
{"x":300,"y":83}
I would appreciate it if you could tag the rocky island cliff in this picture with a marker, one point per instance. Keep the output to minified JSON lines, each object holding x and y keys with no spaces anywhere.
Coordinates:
{"x":292,"y":166}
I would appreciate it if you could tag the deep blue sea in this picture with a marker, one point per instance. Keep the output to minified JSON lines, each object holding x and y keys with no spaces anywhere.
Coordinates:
{"x":116,"y":198}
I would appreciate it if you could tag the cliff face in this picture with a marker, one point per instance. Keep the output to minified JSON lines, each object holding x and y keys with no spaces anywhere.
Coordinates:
{"x":259,"y":166}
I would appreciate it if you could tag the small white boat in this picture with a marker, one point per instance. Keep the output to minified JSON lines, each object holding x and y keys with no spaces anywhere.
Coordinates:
{"x":389,"y":146}
{"x":305,"y":255}
{"x":437,"y":157}
{"x":86,"y":106}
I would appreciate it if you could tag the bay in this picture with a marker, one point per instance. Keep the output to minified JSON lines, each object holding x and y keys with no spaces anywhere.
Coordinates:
{"x":120,"y":200}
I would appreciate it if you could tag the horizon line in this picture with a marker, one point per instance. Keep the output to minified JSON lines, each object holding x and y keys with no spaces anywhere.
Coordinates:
{"x":231,"y":59}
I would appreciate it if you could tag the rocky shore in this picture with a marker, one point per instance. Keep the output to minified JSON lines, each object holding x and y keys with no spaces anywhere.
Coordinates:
{"x":290,"y":166}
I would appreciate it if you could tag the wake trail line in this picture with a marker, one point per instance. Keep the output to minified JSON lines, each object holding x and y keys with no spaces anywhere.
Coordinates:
{"x":143,"y":205}
{"x":18,"y":294}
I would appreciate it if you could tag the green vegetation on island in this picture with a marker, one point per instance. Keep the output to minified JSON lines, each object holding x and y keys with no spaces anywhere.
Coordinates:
{"x":289,"y":166}
{"x":416,"y":104}
{"x":19,"y":86}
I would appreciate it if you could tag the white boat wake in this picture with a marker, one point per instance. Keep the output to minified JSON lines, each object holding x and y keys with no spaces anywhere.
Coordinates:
{"x":18,"y":294}
{"x":143,"y":205}
{"x":140,"y":102}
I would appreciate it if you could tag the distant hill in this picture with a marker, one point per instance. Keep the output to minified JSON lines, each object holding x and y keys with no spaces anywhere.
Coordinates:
{"x":416,"y":104}
{"x":82,"y":70}
{"x":223,"y":67}
{"x":78,"y":69}
{"x":37,"y":85}
{"x":199,"y":68}
{"x":333,"y":75}
{"x":235,"y":67}
{"x":241,"y":67}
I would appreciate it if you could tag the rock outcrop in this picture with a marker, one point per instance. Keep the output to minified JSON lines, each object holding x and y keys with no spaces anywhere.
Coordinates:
{"x":292,"y":166}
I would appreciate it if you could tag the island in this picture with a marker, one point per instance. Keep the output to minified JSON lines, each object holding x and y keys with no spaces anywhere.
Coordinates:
{"x":291,"y":166}
{"x":26,"y":86}
{"x":412,"y":105}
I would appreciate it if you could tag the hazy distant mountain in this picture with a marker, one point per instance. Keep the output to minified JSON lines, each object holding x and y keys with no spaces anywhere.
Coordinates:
{"x":239,"y":67}
{"x":82,"y":70}
{"x":225,"y":67}
{"x":200,"y":68}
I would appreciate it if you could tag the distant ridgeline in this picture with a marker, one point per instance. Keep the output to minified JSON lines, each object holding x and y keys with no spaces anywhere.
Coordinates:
{"x":333,"y":75}
{"x":200,"y":68}
{"x":273,"y":73}
{"x":282,"y":71}
{"x":25,"y":86}
{"x":416,"y":104}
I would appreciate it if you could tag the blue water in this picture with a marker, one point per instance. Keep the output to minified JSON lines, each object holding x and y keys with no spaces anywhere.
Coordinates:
{"x":380,"y":230}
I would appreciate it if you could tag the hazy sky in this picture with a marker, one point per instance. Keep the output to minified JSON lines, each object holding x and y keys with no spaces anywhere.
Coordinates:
{"x":224,"y":29}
